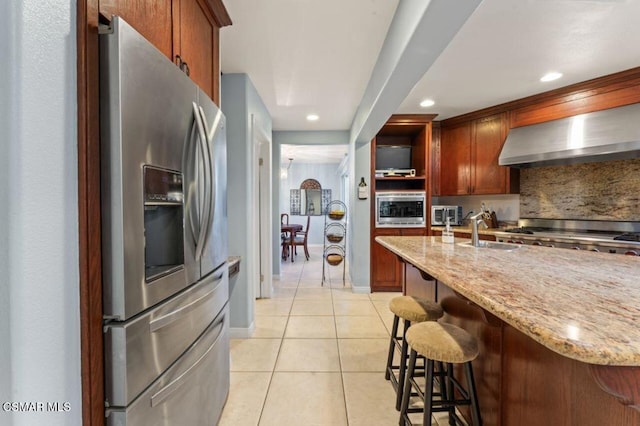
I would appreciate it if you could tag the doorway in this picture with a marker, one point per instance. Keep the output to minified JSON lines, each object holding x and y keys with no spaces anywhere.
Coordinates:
{"x":300,"y":163}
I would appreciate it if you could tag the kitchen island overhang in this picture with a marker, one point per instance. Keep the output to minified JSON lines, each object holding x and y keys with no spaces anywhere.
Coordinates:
{"x":583,"y":306}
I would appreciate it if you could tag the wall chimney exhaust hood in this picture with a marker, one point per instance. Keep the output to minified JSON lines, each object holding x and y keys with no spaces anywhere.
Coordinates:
{"x":611,"y":134}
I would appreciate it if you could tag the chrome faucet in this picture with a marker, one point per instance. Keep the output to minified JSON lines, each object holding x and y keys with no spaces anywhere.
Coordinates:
{"x":475,"y":221}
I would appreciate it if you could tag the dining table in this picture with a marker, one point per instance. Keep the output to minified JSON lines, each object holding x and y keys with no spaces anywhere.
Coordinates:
{"x":290,"y":229}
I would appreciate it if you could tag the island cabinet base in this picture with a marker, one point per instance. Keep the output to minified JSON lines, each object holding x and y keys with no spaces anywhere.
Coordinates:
{"x":520,"y":382}
{"x":543,"y":387}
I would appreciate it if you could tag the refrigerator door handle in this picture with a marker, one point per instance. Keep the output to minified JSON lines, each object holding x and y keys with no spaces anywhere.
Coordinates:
{"x":192,"y":204}
{"x":173,"y":316}
{"x":206,"y":205}
{"x":212,"y":187}
{"x":164,"y":393}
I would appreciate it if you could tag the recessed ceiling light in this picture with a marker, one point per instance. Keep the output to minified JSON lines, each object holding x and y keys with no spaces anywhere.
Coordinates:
{"x":427,"y":103}
{"x":551,"y":76}
{"x":312,"y":117}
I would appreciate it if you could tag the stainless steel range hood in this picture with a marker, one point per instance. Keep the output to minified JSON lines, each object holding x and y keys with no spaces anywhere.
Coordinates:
{"x":611,"y":134}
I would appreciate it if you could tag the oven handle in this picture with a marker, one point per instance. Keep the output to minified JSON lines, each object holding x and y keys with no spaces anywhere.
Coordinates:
{"x":206,"y":203}
{"x":164,"y":393}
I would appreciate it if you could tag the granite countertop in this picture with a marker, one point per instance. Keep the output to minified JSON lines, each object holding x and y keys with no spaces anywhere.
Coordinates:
{"x":582,"y":305}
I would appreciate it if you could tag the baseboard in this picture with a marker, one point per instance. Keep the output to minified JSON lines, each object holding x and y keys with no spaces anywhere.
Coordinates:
{"x":242,"y":333}
{"x":360,"y":289}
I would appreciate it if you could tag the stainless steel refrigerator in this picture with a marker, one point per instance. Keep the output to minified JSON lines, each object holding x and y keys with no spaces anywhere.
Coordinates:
{"x":164,"y":224}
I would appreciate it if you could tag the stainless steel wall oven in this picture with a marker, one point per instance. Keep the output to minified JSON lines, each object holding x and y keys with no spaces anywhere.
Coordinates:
{"x":400,"y":209}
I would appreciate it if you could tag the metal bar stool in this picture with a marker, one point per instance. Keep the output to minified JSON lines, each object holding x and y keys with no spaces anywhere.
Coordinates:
{"x":411,"y":310}
{"x":446,"y":343}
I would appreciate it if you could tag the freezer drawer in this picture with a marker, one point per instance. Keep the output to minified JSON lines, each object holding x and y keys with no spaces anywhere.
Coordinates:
{"x":140,"y":350}
{"x":192,"y":392}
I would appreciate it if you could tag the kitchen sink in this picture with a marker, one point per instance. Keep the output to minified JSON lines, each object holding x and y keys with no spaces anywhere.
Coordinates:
{"x":492,"y":245}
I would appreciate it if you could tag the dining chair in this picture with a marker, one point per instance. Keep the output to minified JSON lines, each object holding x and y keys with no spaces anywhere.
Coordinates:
{"x":284,"y":236}
{"x":301,"y":239}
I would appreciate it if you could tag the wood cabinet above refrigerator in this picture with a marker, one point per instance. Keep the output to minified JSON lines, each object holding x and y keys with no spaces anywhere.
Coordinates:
{"x":185,"y":31}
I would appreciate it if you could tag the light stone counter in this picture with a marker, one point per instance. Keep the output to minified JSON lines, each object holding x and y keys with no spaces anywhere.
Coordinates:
{"x":582,"y":305}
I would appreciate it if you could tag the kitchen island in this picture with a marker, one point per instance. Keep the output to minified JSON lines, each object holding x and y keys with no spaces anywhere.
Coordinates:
{"x":558,"y":329}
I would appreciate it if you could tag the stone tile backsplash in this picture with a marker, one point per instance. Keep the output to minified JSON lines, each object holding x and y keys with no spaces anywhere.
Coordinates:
{"x":596,"y":191}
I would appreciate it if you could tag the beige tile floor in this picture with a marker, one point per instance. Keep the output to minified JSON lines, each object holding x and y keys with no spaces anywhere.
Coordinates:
{"x":317,"y":356}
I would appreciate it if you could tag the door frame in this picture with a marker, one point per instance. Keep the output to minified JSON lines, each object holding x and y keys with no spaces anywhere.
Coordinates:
{"x":262,"y":199}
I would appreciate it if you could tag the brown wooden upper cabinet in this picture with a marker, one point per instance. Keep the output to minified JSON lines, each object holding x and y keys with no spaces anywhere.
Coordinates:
{"x":186,"y":31}
{"x":151,"y":19}
{"x":469,"y":158}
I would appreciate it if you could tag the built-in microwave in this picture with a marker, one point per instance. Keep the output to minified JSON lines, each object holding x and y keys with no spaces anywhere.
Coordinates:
{"x":400,"y":209}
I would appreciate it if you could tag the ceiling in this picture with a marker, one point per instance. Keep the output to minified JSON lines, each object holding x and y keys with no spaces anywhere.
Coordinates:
{"x":505,"y":47}
{"x":309,"y":56}
{"x":317,"y":154}
{"x":306,"y":56}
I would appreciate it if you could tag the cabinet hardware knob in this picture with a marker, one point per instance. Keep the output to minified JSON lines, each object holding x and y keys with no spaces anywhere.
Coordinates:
{"x":184,"y":67}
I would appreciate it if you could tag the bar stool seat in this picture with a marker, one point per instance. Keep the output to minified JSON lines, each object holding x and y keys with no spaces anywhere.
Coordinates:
{"x":443,"y":343}
{"x":415,"y":309}
{"x":412,"y":310}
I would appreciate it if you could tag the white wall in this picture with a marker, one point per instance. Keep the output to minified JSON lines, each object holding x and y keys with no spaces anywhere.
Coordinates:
{"x":39,"y":302}
{"x":240,"y":101}
{"x":359,"y":222}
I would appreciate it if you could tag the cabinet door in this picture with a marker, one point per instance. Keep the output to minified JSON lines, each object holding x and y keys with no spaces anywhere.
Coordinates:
{"x":138,"y":14}
{"x":455,"y":160}
{"x":413,"y":232}
{"x":435,"y":161}
{"x":386,"y":269}
{"x":195,"y":33}
{"x":487,"y":177}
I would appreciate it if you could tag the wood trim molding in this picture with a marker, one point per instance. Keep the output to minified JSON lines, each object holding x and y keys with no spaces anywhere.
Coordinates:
{"x":216,"y":65}
{"x":90,"y":273}
{"x":220,"y":14}
{"x":621,"y":81}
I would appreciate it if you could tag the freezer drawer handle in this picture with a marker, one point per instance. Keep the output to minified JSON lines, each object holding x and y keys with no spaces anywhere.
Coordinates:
{"x":173,"y":316}
{"x":164,"y":393}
